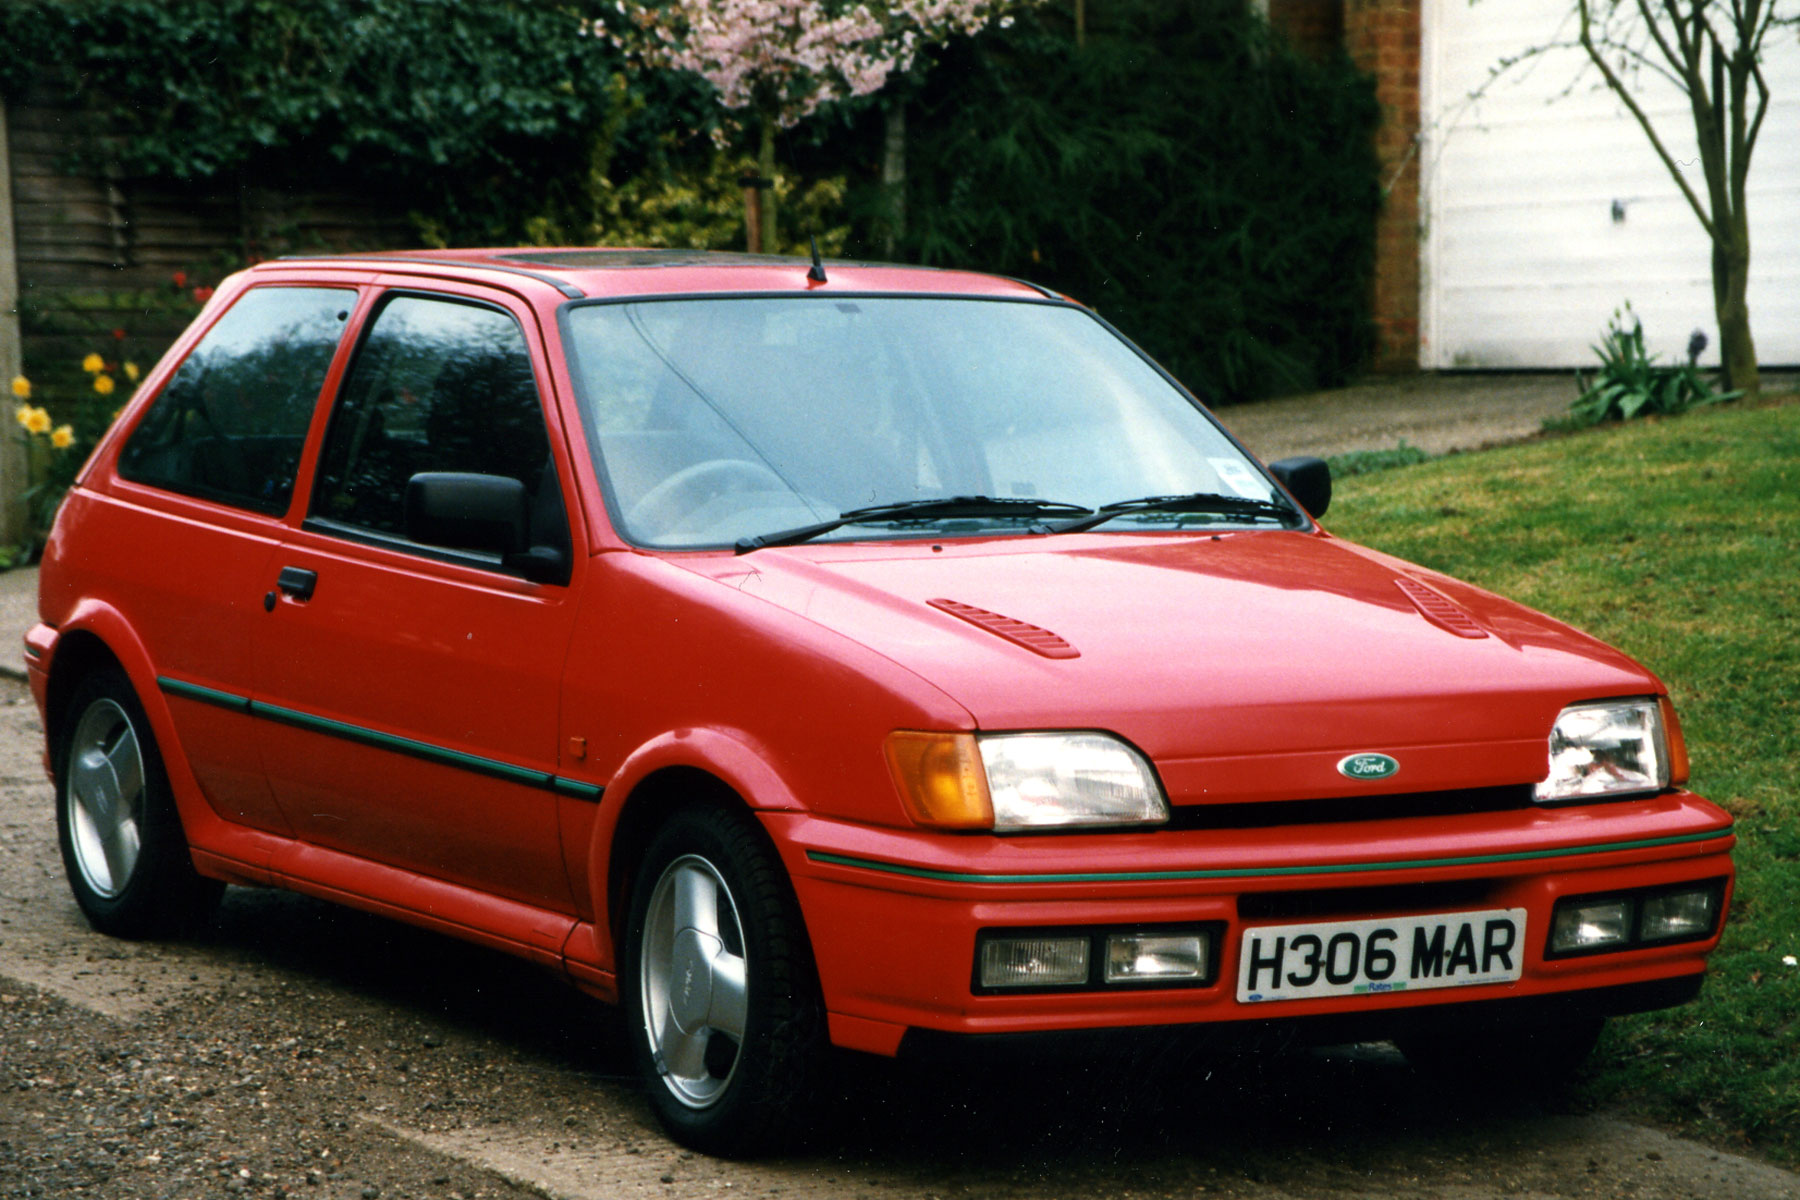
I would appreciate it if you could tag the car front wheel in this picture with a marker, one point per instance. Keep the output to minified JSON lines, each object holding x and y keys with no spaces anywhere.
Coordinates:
{"x":721,"y":997}
{"x":122,"y":844}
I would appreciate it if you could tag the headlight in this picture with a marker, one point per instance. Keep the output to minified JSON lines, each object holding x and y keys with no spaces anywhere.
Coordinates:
{"x":1015,"y":781}
{"x":1608,"y":748}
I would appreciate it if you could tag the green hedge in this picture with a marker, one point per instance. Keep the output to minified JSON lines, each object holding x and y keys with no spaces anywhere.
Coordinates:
{"x":477,"y":108}
{"x":1188,"y":173}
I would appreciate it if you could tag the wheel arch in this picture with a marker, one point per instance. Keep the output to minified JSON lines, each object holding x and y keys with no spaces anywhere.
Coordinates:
{"x":691,"y":766}
{"x":97,"y":636}
{"x":79,"y":653}
{"x":645,"y":810}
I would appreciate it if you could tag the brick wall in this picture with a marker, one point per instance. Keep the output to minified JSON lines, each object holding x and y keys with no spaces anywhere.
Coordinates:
{"x":1383,"y":38}
{"x":1316,"y":27}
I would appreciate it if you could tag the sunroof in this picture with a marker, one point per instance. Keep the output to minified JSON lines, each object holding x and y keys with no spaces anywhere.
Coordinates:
{"x":647,"y":258}
{"x":663,"y":258}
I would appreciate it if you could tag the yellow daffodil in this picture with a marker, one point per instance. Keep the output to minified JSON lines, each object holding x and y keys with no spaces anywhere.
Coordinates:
{"x":62,"y":437}
{"x":104,"y":384}
{"x":36,"y":421}
{"x":22,"y":415}
{"x":131,"y":371}
{"x":21,"y":387}
{"x":93,"y":364}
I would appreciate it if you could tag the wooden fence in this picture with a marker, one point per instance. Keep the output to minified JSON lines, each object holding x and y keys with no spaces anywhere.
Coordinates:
{"x":107,"y":263}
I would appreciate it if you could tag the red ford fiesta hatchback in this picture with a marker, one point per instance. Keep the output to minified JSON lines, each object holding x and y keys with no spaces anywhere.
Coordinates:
{"x":863,"y":656}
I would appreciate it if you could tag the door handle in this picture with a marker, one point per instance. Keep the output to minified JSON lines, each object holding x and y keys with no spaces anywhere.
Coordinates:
{"x":297,"y":582}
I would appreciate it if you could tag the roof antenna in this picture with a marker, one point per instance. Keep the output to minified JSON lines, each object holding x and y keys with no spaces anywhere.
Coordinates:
{"x":817,"y":273}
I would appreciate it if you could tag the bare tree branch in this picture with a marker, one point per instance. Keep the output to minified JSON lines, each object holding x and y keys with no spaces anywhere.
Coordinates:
{"x":1678,"y":61}
{"x":1762,"y":107}
{"x":1643,"y":120}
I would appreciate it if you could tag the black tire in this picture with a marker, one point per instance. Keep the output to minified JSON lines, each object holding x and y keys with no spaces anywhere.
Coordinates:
{"x":1504,"y":1061}
{"x":729,"y":1070}
{"x":123,"y":848}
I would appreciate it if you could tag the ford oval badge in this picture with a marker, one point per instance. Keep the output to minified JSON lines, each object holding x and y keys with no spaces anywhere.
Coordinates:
{"x":1368,"y":766}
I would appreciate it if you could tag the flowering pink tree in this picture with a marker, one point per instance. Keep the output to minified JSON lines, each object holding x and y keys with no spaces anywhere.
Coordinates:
{"x":779,"y":61}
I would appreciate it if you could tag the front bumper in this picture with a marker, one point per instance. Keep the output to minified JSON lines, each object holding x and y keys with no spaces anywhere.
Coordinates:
{"x":893,"y":915}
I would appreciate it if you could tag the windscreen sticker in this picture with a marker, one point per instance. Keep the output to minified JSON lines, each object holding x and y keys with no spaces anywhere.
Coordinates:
{"x":1239,"y":478}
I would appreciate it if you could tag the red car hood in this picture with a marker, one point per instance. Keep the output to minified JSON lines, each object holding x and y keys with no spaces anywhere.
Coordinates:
{"x":1247,"y":665}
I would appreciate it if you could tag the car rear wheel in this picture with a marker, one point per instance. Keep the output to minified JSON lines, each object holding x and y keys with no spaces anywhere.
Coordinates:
{"x":720,"y":993}
{"x":122,"y":844}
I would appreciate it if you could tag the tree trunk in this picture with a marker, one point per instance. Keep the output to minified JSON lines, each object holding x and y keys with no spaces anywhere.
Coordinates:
{"x":893,"y":178}
{"x":765,"y":166}
{"x":1731,"y":280}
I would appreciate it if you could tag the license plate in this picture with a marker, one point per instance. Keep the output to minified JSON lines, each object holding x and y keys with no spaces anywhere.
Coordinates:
{"x":1390,"y":954}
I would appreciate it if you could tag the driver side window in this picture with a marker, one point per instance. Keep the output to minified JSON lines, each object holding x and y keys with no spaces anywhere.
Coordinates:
{"x":437,"y":385}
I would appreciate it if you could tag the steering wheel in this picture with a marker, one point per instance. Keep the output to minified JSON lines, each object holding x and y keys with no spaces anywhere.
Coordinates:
{"x":661,"y":509}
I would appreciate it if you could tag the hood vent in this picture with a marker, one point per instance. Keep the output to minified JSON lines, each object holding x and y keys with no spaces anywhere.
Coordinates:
{"x":1440,"y":610}
{"x":1019,"y":633}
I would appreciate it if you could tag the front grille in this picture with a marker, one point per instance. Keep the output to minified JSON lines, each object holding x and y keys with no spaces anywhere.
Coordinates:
{"x":1269,"y":813}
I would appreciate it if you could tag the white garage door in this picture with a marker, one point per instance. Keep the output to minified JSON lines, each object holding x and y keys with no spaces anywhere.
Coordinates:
{"x":1545,"y":208}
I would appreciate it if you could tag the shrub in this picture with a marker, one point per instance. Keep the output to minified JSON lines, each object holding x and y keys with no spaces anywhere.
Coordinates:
{"x":1188,"y":173}
{"x":1630,"y":383}
{"x":1366,"y":462}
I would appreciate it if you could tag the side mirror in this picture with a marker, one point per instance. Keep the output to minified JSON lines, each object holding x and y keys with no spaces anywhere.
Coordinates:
{"x":488,"y":513}
{"x":1308,"y":480}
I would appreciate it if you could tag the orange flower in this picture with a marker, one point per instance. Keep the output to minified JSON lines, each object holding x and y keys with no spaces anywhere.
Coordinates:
{"x":93,"y":364}
{"x":21,"y":387}
{"x":179,"y":278}
{"x":62,"y":437}
{"x":35,"y":420}
{"x":104,"y":384}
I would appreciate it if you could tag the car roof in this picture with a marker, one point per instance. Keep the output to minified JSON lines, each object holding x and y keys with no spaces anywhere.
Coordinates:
{"x":604,"y":272}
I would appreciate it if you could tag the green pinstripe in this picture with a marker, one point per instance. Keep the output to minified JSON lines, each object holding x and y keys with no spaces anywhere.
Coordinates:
{"x":1472,"y":860}
{"x":381,"y":741}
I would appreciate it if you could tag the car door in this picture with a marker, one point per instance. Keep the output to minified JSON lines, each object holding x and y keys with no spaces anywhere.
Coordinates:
{"x":411,"y":691}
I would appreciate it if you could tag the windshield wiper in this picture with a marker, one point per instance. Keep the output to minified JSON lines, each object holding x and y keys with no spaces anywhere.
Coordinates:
{"x":929,"y":509}
{"x":1214,"y":503}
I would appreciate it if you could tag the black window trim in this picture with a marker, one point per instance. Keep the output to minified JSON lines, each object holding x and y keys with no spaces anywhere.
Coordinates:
{"x":325,"y":526}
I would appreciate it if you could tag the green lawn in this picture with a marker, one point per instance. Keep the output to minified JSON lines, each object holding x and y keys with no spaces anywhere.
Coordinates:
{"x":1677,"y":540}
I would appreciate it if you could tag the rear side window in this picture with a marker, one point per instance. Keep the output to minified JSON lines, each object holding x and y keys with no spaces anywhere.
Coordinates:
{"x":229,"y":425}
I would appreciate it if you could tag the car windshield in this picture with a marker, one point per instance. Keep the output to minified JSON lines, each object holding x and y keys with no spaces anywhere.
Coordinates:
{"x":719,"y":420}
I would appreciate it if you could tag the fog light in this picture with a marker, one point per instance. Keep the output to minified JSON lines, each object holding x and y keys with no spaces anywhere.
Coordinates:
{"x":1590,"y":925}
{"x":1149,"y":957}
{"x":1015,"y":962}
{"x":1685,"y":914}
